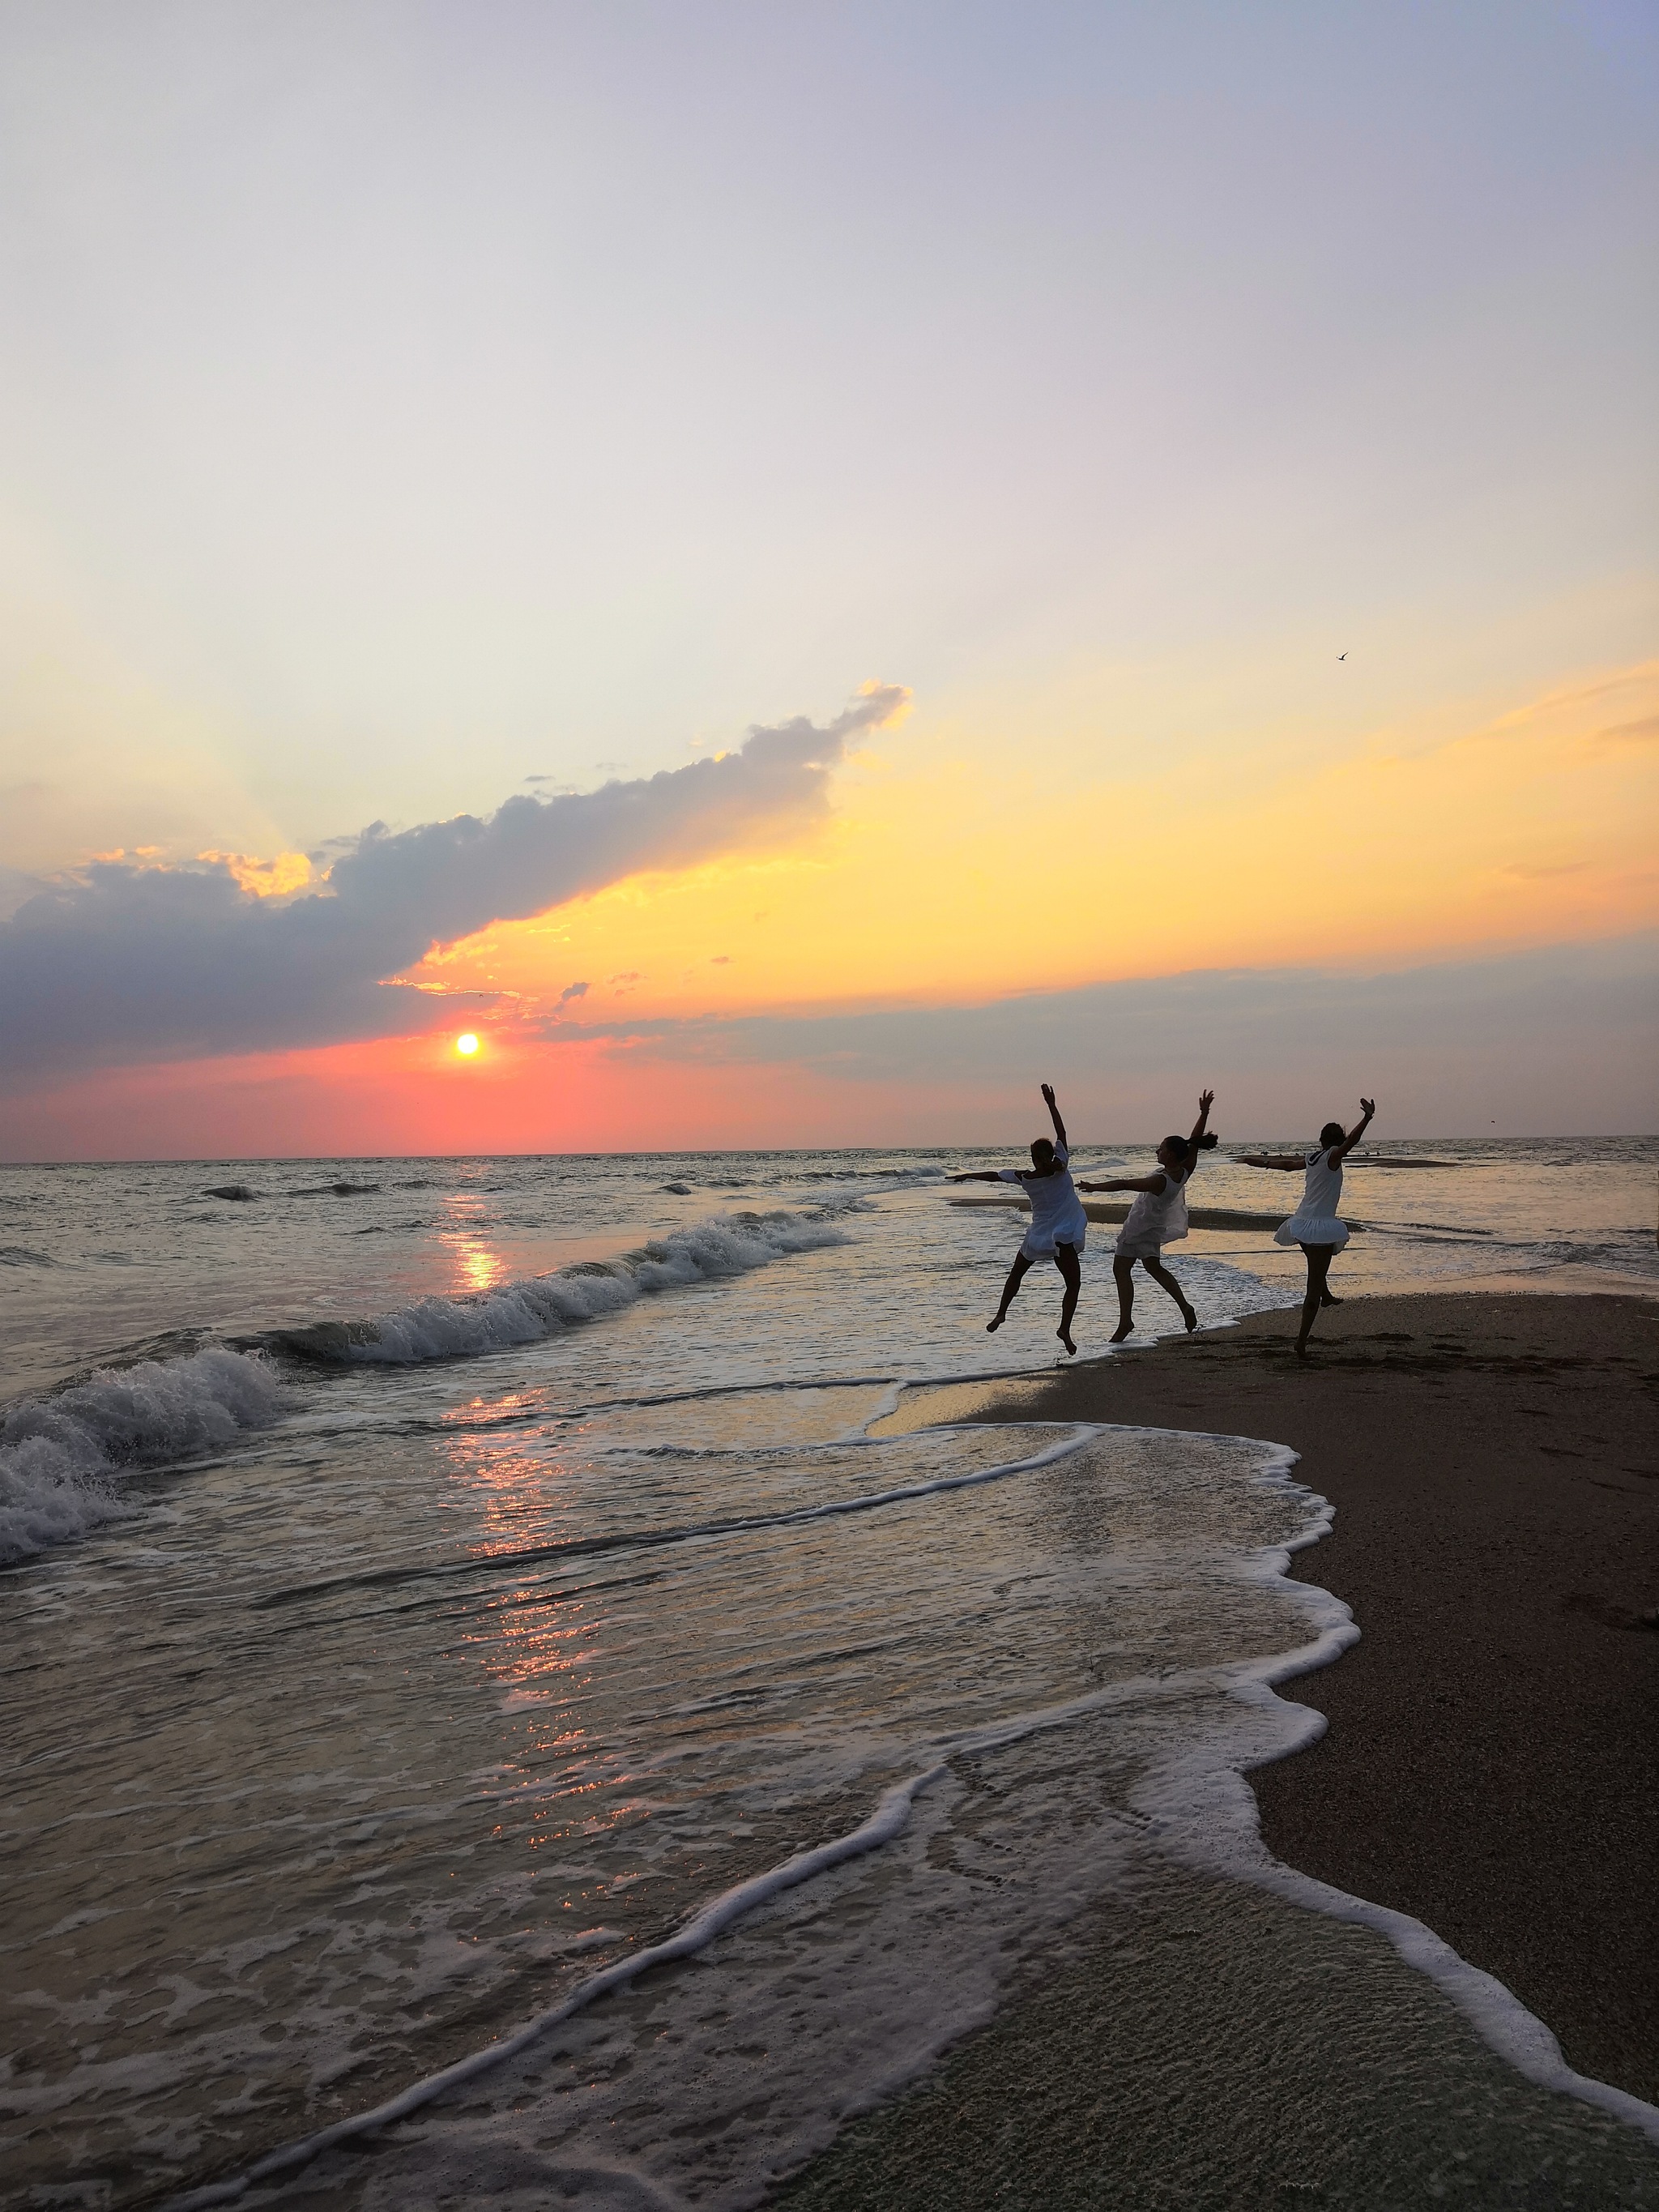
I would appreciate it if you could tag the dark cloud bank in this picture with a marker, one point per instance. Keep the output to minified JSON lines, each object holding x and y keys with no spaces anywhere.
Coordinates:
{"x":130,"y":962}
{"x":1565,"y":1035}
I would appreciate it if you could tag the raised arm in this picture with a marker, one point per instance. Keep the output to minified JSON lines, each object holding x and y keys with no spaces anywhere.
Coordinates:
{"x":1339,"y":1153}
{"x":1206,"y":1100}
{"x":1054,"y":1115}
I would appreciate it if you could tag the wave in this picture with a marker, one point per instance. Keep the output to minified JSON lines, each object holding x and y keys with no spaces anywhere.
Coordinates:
{"x":238,"y":1193}
{"x":20,"y":1255}
{"x":877,"y":1178}
{"x":61,"y":1457}
{"x":540,"y":1306}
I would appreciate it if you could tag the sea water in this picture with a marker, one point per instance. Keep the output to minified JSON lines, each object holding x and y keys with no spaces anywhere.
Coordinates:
{"x":437,"y":1590}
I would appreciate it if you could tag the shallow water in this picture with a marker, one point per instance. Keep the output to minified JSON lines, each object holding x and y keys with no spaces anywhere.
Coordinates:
{"x":398,"y":1637}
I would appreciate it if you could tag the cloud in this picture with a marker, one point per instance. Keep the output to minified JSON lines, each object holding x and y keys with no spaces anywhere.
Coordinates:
{"x":447,"y":879}
{"x":1629,"y":735}
{"x":1571,"y":1027}
{"x":572,"y":991}
{"x":289,"y":871}
{"x":129,"y":961}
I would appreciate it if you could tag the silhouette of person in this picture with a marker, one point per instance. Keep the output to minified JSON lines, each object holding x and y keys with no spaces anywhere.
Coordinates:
{"x":1314,"y":1226}
{"x":1059,"y":1225}
{"x":1157,"y":1217}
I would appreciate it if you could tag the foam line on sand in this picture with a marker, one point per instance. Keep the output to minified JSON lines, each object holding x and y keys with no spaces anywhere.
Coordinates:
{"x":884,"y":1824}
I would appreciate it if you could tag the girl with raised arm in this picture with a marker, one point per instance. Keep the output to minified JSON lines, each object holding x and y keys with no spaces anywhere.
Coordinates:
{"x":1059,"y":1225}
{"x":1157,"y":1217}
{"x":1314,"y":1226}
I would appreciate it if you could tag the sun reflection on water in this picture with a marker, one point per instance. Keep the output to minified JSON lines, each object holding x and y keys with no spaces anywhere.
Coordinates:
{"x":479,"y":1266}
{"x":543,"y":1645}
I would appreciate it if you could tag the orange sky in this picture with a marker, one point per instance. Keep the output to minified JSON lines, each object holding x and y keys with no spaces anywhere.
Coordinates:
{"x":1240,"y":443}
{"x":945,"y":877}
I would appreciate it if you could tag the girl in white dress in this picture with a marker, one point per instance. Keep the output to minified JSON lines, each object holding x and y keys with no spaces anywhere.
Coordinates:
{"x":1059,"y":1225}
{"x":1157,"y":1217}
{"x":1314,"y":1225}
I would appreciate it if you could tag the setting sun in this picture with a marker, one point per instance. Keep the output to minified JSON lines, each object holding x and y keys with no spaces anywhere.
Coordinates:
{"x":467,"y":1045}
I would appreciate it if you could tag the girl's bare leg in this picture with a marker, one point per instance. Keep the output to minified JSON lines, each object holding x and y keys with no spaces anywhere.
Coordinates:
{"x":1165,"y":1281}
{"x":1070,"y":1269}
{"x":1017,"y":1275}
{"x":1123,"y":1274}
{"x":1319,"y":1266}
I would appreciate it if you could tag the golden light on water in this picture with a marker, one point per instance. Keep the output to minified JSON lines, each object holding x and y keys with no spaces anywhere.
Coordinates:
{"x":467,"y":1045}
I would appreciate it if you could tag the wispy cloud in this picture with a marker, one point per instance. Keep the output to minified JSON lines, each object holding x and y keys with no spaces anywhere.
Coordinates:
{"x":1633,"y":735}
{"x":131,"y":960}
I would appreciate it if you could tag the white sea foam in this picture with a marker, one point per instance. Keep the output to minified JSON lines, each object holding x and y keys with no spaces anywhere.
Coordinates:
{"x":540,"y":1306}
{"x":888,"y":1817}
{"x":1194,"y":1807}
{"x":62,"y":1458}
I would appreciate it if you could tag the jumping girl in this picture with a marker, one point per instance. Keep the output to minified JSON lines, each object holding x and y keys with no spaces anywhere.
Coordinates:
{"x":1314,"y":1226}
{"x":1059,"y":1225}
{"x":1157,"y":1217}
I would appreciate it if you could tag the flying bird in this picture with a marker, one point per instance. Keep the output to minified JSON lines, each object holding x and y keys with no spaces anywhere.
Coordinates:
{"x":1341,"y":656}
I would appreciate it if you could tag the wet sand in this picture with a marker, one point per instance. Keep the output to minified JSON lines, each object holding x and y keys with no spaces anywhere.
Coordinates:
{"x":1490,"y":1766}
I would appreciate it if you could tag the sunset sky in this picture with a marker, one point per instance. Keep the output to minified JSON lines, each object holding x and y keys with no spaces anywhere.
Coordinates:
{"x":797,"y":570}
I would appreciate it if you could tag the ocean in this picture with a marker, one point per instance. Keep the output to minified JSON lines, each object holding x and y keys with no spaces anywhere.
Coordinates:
{"x":447,"y":1599}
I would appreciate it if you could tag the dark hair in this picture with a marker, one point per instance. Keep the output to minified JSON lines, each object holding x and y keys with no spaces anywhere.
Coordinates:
{"x":1042,"y":1148}
{"x":1206,"y":1143}
{"x":1332,"y":1133}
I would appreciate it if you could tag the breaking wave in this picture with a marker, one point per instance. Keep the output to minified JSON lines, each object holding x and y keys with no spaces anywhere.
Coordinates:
{"x":62,"y":1458}
{"x":542,"y":1305}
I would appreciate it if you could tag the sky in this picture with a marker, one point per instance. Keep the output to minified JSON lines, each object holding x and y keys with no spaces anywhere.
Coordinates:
{"x":796,"y":572}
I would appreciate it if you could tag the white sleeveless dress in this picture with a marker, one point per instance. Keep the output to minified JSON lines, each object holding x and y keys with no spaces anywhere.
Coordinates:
{"x":1315,"y":1220}
{"x":1057,"y":1215}
{"x":1155,"y":1218}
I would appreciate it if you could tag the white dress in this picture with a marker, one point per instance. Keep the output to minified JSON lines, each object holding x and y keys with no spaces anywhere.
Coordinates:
{"x":1057,"y":1215}
{"x":1156,"y":1218}
{"x":1315,"y":1220}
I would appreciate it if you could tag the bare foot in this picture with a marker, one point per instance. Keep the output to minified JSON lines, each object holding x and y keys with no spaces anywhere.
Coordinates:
{"x":1301,"y":1349}
{"x":1064,"y":1336}
{"x":992,"y":1326}
{"x":1124,"y":1329}
{"x":1327,"y":1300}
{"x":1190,"y":1318}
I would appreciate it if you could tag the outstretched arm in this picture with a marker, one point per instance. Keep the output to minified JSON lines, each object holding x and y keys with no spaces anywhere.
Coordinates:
{"x":1339,"y":1153}
{"x":1054,"y":1115}
{"x":1289,"y":1163}
{"x":1206,"y":1100}
{"x":979,"y":1174}
{"x":1155,"y":1183}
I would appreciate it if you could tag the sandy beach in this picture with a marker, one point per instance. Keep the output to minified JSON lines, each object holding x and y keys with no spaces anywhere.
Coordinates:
{"x":1491,"y":1767}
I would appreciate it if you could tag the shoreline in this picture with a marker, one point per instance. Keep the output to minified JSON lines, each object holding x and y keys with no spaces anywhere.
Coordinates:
{"x":1491,"y":1765}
